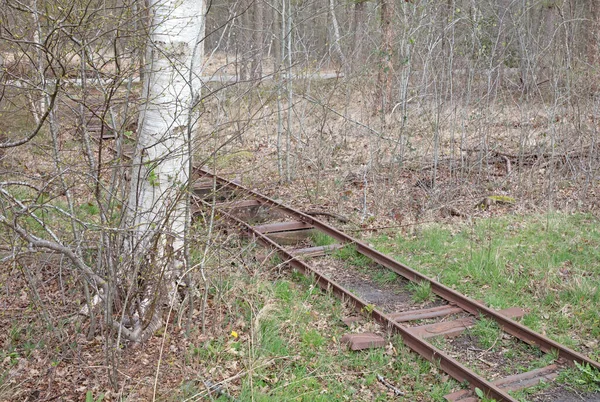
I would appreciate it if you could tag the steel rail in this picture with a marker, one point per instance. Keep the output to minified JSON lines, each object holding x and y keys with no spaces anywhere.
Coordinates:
{"x":417,"y":344}
{"x":473,"y":307}
{"x":420,"y":346}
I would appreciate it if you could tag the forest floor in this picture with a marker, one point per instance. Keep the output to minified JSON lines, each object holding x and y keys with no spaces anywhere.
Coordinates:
{"x":269,"y":334}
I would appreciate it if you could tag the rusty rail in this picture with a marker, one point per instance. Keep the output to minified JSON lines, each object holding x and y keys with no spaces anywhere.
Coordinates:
{"x":425,"y":349}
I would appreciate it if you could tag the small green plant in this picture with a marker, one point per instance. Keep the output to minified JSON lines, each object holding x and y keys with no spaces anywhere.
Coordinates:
{"x":369,"y":308}
{"x":271,"y":343}
{"x":153,"y":178}
{"x":129,"y":137}
{"x":346,"y":252}
{"x":12,"y":357}
{"x":588,"y":378}
{"x":275,"y":259}
{"x":482,"y":396}
{"x":502,"y":199}
{"x":283,"y":291}
{"x":352,"y":256}
{"x":89,"y":397}
{"x":312,"y":338}
{"x":487,"y":332}
{"x":15,"y":334}
{"x":421,"y":291}
{"x":322,"y":239}
{"x":29,"y":347}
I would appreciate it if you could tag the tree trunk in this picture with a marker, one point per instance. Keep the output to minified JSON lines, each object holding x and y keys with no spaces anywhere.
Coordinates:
{"x":258,"y":39}
{"x":359,"y":32}
{"x":336,"y":37}
{"x":245,"y":42}
{"x":276,"y":35}
{"x":157,"y":208}
{"x":594,"y":32}
{"x":384,"y":80}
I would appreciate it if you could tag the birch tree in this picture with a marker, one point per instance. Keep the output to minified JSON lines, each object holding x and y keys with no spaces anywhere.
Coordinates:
{"x":158,"y":210}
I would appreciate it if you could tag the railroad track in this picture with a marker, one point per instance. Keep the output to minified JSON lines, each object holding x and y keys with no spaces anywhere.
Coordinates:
{"x":295,"y":225}
{"x":225,"y":197}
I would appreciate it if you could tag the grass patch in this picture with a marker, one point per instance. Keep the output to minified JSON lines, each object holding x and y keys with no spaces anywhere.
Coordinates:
{"x":487,"y":332}
{"x":288,"y":344}
{"x":321,"y":239}
{"x":351,"y":256}
{"x":548,"y":264}
{"x":586,"y":377}
{"x":581,"y":377}
{"x":384,"y":276}
{"x":289,"y":333}
{"x":421,"y":291}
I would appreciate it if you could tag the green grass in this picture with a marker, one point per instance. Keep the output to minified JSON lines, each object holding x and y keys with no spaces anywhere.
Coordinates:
{"x":586,"y":377}
{"x":322,"y":239}
{"x":351,"y":256}
{"x":296,"y":355}
{"x":384,"y":276}
{"x":549,"y":264}
{"x":421,"y":291}
{"x":289,"y":331}
{"x":487,"y":332}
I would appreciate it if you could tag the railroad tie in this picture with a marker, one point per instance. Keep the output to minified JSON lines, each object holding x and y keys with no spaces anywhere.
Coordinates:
{"x":282,"y":227}
{"x":511,"y":383}
{"x":316,"y":251}
{"x":456,"y":327}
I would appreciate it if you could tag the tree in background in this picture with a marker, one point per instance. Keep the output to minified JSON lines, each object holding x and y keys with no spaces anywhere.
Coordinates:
{"x":383,"y":101}
{"x":594,"y":33}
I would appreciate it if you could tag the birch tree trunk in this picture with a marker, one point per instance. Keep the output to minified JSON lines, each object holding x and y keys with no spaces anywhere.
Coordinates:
{"x":157,"y":207}
{"x":336,"y":37}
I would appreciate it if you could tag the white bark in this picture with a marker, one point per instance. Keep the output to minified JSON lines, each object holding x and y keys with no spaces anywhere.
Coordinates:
{"x":160,"y":172}
{"x":336,"y":34}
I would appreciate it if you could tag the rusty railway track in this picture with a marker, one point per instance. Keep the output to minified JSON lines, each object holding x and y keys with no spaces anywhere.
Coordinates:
{"x":414,"y":337}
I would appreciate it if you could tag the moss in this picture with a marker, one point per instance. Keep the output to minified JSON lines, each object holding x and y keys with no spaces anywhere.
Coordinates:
{"x":502,"y":199}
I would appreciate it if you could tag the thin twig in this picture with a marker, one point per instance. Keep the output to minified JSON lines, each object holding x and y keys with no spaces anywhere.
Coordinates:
{"x":382,"y":380}
{"x":340,"y":218}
